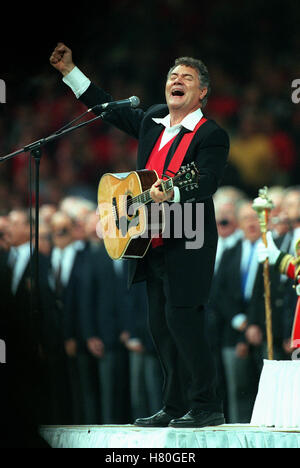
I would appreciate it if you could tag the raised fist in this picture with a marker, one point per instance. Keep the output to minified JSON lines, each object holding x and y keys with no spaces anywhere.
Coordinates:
{"x":61,"y":59}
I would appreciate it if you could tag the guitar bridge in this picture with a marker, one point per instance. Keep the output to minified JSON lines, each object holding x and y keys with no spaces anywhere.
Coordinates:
{"x":115,"y":212}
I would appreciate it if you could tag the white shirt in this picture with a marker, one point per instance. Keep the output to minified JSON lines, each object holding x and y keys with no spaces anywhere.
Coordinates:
{"x":64,"y":258}
{"x":189,"y":122}
{"x":20,"y":257}
{"x":252,"y":268}
{"x":79,"y":83}
{"x":226,"y":243}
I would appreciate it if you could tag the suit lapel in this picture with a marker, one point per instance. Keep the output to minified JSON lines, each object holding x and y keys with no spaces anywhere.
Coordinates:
{"x":24,"y":280}
{"x":148,"y":141}
{"x":237,"y":269}
{"x":173,"y":148}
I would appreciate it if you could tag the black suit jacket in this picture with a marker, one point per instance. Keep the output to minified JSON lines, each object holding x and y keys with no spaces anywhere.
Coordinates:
{"x":257,"y":314}
{"x":61,"y":310}
{"x":226,"y":297}
{"x":72,"y":296}
{"x":6,"y":296}
{"x":106,"y":304}
{"x":28,"y":309}
{"x":190,"y":271}
{"x":98,"y":315}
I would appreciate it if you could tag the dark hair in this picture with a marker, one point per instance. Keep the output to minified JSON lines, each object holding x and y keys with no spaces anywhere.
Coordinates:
{"x":200,"y":67}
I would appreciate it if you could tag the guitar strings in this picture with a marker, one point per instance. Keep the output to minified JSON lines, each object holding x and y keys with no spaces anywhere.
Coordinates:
{"x":132,"y":200}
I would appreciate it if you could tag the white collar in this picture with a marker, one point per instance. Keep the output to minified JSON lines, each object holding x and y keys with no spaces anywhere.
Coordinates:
{"x":189,"y":122}
{"x":65,"y":258}
{"x":23,"y":254}
{"x":23,"y":250}
{"x":247,"y":243}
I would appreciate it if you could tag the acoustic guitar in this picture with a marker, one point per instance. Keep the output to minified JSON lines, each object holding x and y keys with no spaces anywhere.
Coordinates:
{"x":128,"y":219}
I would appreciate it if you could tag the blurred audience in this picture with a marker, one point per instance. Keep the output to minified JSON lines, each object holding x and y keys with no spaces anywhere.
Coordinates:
{"x":94,"y":353}
{"x":94,"y":350}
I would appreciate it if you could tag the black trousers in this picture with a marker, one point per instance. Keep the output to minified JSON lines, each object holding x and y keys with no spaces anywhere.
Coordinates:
{"x":179,"y":335}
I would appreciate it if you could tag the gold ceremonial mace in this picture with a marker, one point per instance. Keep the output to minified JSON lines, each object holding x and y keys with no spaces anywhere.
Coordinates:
{"x":263,"y":205}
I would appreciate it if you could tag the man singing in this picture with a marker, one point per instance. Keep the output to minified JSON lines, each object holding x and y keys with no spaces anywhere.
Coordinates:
{"x":178,"y":278}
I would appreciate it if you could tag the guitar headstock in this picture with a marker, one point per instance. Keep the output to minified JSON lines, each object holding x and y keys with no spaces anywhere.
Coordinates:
{"x":187,"y":177}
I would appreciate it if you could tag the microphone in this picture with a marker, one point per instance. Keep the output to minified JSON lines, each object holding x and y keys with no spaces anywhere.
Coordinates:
{"x":133,"y":101}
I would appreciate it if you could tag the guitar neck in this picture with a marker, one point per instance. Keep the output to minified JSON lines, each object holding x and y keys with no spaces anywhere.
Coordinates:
{"x":144,"y":197}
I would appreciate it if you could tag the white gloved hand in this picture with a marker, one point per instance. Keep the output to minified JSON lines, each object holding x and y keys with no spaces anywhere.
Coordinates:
{"x":271,"y":252}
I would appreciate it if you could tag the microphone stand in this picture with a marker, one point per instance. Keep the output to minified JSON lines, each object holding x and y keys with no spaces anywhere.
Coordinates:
{"x":35,"y":150}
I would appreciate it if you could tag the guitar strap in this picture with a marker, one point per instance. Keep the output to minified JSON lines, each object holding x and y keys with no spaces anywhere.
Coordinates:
{"x":182,"y":148}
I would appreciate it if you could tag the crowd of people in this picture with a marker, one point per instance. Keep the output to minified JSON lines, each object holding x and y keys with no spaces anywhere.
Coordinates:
{"x":84,"y":354}
{"x":89,"y":333}
{"x":237,"y":302}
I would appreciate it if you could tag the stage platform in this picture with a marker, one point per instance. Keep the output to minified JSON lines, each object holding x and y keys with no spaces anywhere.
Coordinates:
{"x":125,"y":437}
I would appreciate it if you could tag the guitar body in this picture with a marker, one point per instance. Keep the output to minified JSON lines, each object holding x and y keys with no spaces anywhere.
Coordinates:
{"x":123,"y":227}
{"x":128,"y":218}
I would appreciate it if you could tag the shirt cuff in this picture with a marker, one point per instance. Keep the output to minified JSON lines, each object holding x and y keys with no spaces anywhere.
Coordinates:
{"x":176,"y":197}
{"x":77,"y":81}
{"x":238,"y":321}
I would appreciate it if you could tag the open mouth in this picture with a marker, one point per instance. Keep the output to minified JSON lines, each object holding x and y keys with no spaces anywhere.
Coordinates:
{"x":177,"y":92}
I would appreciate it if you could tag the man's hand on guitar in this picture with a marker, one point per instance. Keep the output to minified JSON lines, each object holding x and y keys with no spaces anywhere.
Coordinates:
{"x":61,"y":59}
{"x":158,"y":195}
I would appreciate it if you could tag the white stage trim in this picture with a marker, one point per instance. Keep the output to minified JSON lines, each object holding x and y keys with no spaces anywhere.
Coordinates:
{"x":123,"y":437}
{"x":278,"y":399}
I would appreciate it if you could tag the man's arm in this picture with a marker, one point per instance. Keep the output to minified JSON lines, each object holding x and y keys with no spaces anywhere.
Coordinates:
{"x":89,"y":94}
{"x":126,"y":119}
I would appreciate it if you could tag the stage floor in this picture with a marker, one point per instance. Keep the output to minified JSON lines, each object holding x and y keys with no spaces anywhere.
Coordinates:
{"x":225,"y":436}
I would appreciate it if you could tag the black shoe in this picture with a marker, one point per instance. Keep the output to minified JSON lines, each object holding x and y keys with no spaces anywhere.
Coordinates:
{"x":160,"y":419}
{"x":198,"y":418}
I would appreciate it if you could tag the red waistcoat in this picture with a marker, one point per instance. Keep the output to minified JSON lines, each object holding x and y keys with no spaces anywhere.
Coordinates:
{"x":158,"y":157}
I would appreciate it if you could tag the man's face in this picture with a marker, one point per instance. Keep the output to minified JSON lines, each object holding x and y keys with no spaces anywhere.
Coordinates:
{"x":18,"y":229}
{"x":183,"y":89}
{"x":226,"y":220}
{"x":4,"y":233}
{"x":291,"y":207}
{"x":249,"y":223}
{"x":62,"y":232}
{"x":44,"y":239}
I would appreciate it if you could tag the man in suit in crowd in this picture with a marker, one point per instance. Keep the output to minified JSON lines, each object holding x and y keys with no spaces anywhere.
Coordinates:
{"x":24,"y":377}
{"x":234,"y":285}
{"x":62,"y":335}
{"x":5,"y":272}
{"x":283,"y":217}
{"x":228,"y":230}
{"x":99,"y":327}
{"x":178,"y":277}
{"x":229,"y":234}
{"x":105,"y":307}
